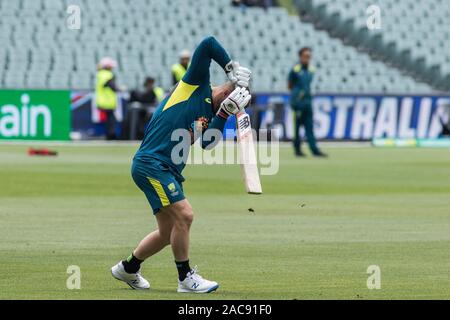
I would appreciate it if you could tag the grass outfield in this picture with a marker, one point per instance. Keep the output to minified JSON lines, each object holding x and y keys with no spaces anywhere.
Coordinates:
{"x":312,"y":235}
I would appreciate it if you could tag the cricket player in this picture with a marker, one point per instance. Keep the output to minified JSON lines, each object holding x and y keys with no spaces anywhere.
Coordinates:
{"x":299,"y":82}
{"x":195,"y":106}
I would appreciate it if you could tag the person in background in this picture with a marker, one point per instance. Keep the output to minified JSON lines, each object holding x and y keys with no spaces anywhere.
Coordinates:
{"x":106,"y":94}
{"x":252,"y":3}
{"x":446,"y":121}
{"x":237,"y":3}
{"x":179,"y":69}
{"x":299,"y":83}
{"x":151,"y":94}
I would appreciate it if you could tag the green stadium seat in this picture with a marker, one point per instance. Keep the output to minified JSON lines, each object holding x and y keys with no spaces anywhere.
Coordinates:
{"x":145,"y":39}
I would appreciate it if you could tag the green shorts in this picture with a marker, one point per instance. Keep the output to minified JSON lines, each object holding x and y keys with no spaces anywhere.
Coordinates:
{"x":159,"y":184}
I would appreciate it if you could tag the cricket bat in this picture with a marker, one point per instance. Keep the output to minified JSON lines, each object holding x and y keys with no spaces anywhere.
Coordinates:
{"x":247,"y":155}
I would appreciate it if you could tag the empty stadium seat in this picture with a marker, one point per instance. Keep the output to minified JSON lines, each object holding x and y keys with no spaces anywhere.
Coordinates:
{"x":146,"y":36}
{"x":413,"y":34}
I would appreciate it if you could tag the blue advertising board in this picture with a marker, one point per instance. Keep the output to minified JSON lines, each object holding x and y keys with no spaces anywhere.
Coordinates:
{"x":336,"y":116}
{"x":364,"y":117}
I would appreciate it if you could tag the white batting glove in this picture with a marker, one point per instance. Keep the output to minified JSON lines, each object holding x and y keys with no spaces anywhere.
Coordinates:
{"x":235,"y":102}
{"x":237,"y":74}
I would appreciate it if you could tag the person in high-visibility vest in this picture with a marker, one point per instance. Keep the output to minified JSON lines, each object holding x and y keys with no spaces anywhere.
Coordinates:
{"x":106,"y":94}
{"x":179,"y":69}
{"x":159,"y":93}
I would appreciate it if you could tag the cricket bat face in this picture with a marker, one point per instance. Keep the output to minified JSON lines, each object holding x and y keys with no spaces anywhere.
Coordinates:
{"x":247,"y":154}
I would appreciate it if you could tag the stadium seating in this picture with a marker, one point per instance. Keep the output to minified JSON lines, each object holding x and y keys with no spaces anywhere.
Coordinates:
{"x":42,"y":52}
{"x":414,"y":35}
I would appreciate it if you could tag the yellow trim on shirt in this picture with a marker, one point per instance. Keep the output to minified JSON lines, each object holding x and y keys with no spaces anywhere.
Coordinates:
{"x":182,"y":93}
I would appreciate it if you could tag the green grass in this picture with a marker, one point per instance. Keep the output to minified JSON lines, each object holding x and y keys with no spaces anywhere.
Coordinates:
{"x":315,"y":230}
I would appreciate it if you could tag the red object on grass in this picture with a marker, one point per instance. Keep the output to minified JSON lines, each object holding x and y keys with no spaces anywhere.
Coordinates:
{"x":41,"y":152}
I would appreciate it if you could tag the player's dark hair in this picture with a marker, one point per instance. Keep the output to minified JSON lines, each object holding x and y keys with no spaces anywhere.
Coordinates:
{"x":149,"y":79}
{"x":300,"y":52}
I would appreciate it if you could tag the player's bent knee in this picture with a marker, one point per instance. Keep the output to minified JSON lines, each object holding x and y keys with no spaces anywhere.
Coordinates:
{"x":182,"y":214}
{"x":185,"y":217}
{"x":188,"y":217}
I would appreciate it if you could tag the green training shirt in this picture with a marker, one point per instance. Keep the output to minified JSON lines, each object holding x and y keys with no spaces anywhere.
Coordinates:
{"x":188,"y":106}
{"x":301,"y":77}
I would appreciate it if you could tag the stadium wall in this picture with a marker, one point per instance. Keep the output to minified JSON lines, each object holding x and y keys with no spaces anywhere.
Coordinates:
{"x":52,"y":115}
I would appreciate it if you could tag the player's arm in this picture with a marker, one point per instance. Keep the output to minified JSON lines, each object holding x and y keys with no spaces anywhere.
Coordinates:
{"x":232,"y":105}
{"x":209,"y":49}
{"x":112,"y":84}
{"x":290,"y":85}
{"x":291,"y":80}
{"x":211,"y":136}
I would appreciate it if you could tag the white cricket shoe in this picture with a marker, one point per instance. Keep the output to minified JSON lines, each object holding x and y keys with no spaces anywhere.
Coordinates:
{"x":195,"y":283}
{"x":134,"y":280}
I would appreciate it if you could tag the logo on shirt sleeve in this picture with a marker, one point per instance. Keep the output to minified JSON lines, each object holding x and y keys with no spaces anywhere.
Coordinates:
{"x":198,"y":127}
{"x":173,"y":189}
{"x":200,"y":124}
